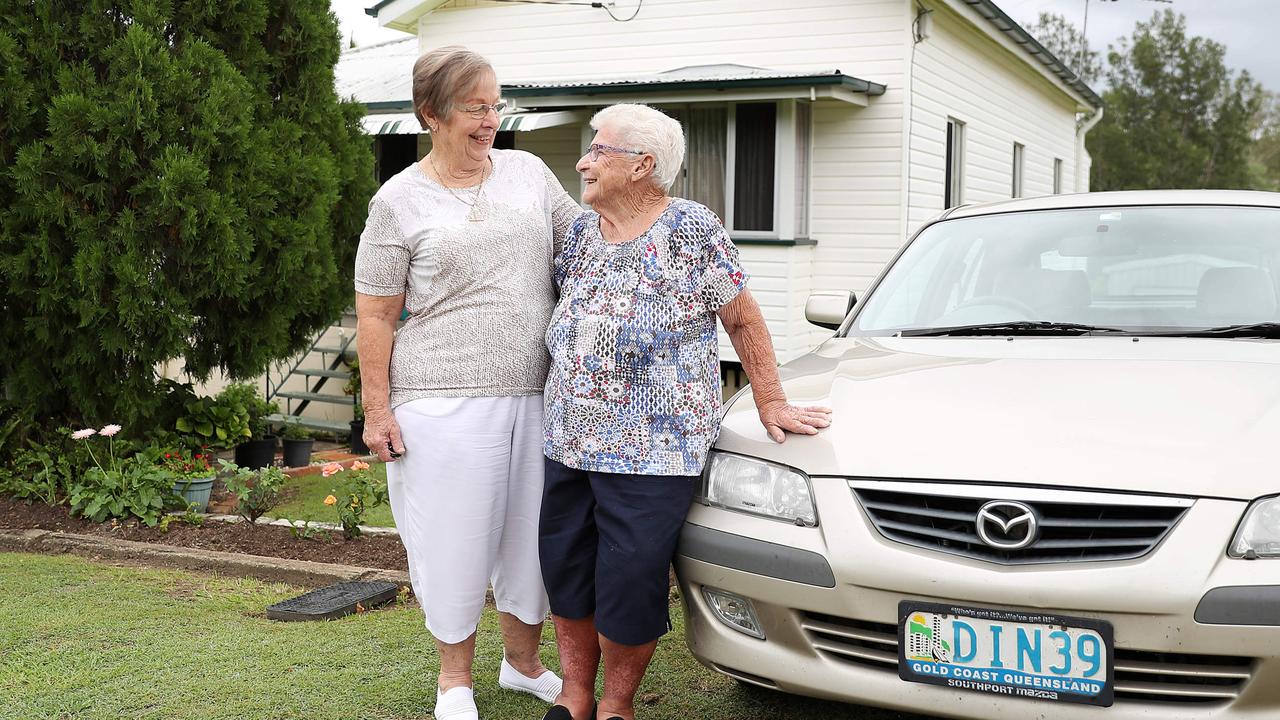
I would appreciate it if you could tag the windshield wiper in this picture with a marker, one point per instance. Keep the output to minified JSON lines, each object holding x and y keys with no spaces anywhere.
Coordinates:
{"x":1269,"y":330}
{"x":1018,"y":327}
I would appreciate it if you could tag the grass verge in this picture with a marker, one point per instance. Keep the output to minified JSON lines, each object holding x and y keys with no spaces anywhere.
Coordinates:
{"x":84,"y":640}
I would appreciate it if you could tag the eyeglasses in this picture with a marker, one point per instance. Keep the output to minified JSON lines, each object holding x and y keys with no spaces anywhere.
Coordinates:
{"x":594,"y":150}
{"x":479,"y":111}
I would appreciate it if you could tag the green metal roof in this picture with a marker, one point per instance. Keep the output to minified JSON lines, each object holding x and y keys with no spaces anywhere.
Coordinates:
{"x":666,"y":81}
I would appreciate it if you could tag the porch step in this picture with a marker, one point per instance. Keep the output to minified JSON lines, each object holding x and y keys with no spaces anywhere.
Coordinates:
{"x":321,"y":372}
{"x":316,"y":397}
{"x":334,"y":349}
{"x":334,"y":426}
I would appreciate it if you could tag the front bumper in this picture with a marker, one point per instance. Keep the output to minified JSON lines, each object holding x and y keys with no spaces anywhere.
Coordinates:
{"x":837,"y":639}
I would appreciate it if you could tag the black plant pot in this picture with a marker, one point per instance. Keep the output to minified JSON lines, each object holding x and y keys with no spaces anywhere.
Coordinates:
{"x":256,"y":453}
{"x":357,"y":438}
{"x":297,"y":453}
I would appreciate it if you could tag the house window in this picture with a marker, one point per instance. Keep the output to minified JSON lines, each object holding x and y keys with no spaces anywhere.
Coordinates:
{"x":755,"y":130}
{"x":750,"y":164}
{"x":1019,"y":153}
{"x":953,"y":190}
{"x":1057,"y":176}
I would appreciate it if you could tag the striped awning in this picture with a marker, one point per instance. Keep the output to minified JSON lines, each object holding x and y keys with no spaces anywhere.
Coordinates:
{"x":526,"y":121}
{"x":391,"y":124}
{"x":407,"y":123}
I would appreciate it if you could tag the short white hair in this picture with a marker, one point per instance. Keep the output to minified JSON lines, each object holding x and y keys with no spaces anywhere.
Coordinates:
{"x":641,"y":127}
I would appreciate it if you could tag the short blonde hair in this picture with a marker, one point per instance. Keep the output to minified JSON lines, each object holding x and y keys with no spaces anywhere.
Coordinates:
{"x":641,"y":127}
{"x":441,"y":75}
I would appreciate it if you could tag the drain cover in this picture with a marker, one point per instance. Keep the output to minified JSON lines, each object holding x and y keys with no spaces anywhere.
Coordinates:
{"x":333,"y":601}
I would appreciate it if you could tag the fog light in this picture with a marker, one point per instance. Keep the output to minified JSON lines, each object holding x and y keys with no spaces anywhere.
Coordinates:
{"x":734,"y":611}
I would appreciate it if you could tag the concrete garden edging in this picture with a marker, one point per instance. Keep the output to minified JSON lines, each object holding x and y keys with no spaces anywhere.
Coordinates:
{"x":293,"y":572}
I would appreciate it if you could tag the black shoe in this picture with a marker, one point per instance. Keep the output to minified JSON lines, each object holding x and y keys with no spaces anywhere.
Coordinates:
{"x":558,"y":712}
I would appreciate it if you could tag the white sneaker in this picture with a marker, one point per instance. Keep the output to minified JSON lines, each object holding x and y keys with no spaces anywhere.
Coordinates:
{"x":545,"y":687}
{"x":457,"y":704}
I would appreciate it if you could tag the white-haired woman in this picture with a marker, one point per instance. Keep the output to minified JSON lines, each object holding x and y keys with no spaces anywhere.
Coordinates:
{"x":633,"y":400}
{"x":464,"y":241}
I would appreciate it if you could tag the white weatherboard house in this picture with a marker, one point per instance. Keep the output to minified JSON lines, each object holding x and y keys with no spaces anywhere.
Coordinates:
{"x":823,"y":132}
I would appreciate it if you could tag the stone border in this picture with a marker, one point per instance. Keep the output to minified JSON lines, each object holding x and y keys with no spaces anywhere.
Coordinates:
{"x":298,"y":524}
{"x":294,"y":572}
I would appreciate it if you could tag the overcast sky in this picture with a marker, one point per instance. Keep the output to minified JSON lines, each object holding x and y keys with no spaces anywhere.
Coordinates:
{"x":1249,"y":28}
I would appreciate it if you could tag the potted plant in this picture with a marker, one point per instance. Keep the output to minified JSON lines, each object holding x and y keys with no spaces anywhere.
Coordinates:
{"x":258,"y":449}
{"x":352,"y":388}
{"x":211,"y":422}
{"x":297,"y":443}
{"x":192,"y":475}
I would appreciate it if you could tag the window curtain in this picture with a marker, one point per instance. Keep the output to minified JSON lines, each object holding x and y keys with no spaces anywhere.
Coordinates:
{"x":754,"y":134}
{"x":705,"y":156}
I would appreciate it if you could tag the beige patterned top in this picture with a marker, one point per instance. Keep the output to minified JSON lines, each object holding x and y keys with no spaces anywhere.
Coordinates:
{"x":479,"y":292}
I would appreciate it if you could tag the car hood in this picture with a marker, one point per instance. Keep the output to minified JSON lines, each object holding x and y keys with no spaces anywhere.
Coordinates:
{"x":1184,"y":416}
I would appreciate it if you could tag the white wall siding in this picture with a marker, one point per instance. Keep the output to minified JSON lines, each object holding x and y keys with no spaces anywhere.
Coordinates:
{"x":538,"y":42}
{"x":560,"y":148}
{"x":960,"y":73}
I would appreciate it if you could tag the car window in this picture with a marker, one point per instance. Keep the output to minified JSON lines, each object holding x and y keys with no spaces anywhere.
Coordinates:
{"x":1136,"y":268}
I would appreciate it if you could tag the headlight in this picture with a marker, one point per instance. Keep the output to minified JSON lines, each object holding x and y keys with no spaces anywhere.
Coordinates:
{"x":1259,"y":533}
{"x":737,"y":483}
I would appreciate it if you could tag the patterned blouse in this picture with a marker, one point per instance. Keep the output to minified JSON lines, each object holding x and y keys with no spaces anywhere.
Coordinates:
{"x":634,"y":385}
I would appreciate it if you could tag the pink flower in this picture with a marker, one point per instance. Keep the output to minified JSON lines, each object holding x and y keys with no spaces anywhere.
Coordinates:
{"x":109,"y":430}
{"x":332,"y":468}
{"x":359,"y":465}
{"x":82,"y":434}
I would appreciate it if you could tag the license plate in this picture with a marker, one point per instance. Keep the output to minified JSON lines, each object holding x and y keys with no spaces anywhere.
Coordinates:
{"x":1002,"y":652}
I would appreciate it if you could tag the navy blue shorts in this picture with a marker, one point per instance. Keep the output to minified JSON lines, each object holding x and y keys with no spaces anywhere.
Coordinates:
{"x":605,"y":541}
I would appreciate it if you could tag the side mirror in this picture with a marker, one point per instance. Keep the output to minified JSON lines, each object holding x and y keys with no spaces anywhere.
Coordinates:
{"x":828,"y":309}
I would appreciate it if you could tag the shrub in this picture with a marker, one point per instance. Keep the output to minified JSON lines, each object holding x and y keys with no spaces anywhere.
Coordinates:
{"x":170,"y":169}
{"x":256,"y":491}
{"x":244,"y":395}
{"x":118,"y":488}
{"x":359,"y":491}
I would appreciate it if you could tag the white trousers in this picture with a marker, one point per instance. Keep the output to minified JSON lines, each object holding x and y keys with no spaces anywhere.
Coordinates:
{"x":465,"y":497}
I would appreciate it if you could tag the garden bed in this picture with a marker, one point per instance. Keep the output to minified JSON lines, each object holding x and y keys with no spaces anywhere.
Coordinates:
{"x":375,"y":551}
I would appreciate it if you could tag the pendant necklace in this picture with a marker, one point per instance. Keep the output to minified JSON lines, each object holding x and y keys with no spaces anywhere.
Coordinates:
{"x":473,"y":214}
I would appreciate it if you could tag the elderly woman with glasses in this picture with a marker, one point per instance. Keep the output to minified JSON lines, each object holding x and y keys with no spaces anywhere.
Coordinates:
{"x":633,"y":400}
{"x":464,"y":241}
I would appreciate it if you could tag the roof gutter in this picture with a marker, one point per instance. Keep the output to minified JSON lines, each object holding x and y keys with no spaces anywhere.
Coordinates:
{"x":851,"y":84}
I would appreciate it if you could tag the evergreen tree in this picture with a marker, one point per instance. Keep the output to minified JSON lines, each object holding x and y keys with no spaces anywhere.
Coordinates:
{"x":177,"y":180}
{"x":1265,"y":155}
{"x":1176,"y":116}
{"x":1065,"y":41}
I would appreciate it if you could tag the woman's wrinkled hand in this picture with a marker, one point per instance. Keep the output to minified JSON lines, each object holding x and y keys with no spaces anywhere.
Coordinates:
{"x":382,"y":435}
{"x":780,"y":418}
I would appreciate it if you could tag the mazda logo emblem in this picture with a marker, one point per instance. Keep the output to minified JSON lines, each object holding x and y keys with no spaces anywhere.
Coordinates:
{"x":1007,"y":524}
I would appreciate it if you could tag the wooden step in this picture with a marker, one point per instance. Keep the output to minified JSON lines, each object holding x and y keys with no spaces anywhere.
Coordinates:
{"x":334,"y":349}
{"x":316,"y":397}
{"x":321,"y":372}
{"x":334,"y":426}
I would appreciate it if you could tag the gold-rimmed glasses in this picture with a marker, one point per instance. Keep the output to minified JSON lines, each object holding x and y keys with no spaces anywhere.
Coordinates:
{"x":477,"y":112}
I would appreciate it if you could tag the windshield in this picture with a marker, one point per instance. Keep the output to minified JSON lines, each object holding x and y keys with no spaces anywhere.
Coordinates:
{"x":1135,"y":269}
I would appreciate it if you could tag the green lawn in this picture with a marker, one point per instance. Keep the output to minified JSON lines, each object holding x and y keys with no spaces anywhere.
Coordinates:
{"x":307,"y":500}
{"x":84,"y":640}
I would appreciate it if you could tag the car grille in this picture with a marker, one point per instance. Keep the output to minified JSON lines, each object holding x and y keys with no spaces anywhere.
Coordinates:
{"x":1139,"y":675}
{"x":1073,"y":526}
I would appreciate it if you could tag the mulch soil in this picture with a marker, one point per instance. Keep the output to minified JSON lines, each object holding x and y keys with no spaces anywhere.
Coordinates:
{"x":375,"y":551}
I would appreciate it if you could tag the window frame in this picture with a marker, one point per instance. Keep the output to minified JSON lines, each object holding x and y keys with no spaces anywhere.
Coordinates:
{"x":1057,"y":176}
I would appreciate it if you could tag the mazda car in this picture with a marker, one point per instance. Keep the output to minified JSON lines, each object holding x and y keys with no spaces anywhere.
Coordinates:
{"x":1051,"y":485}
